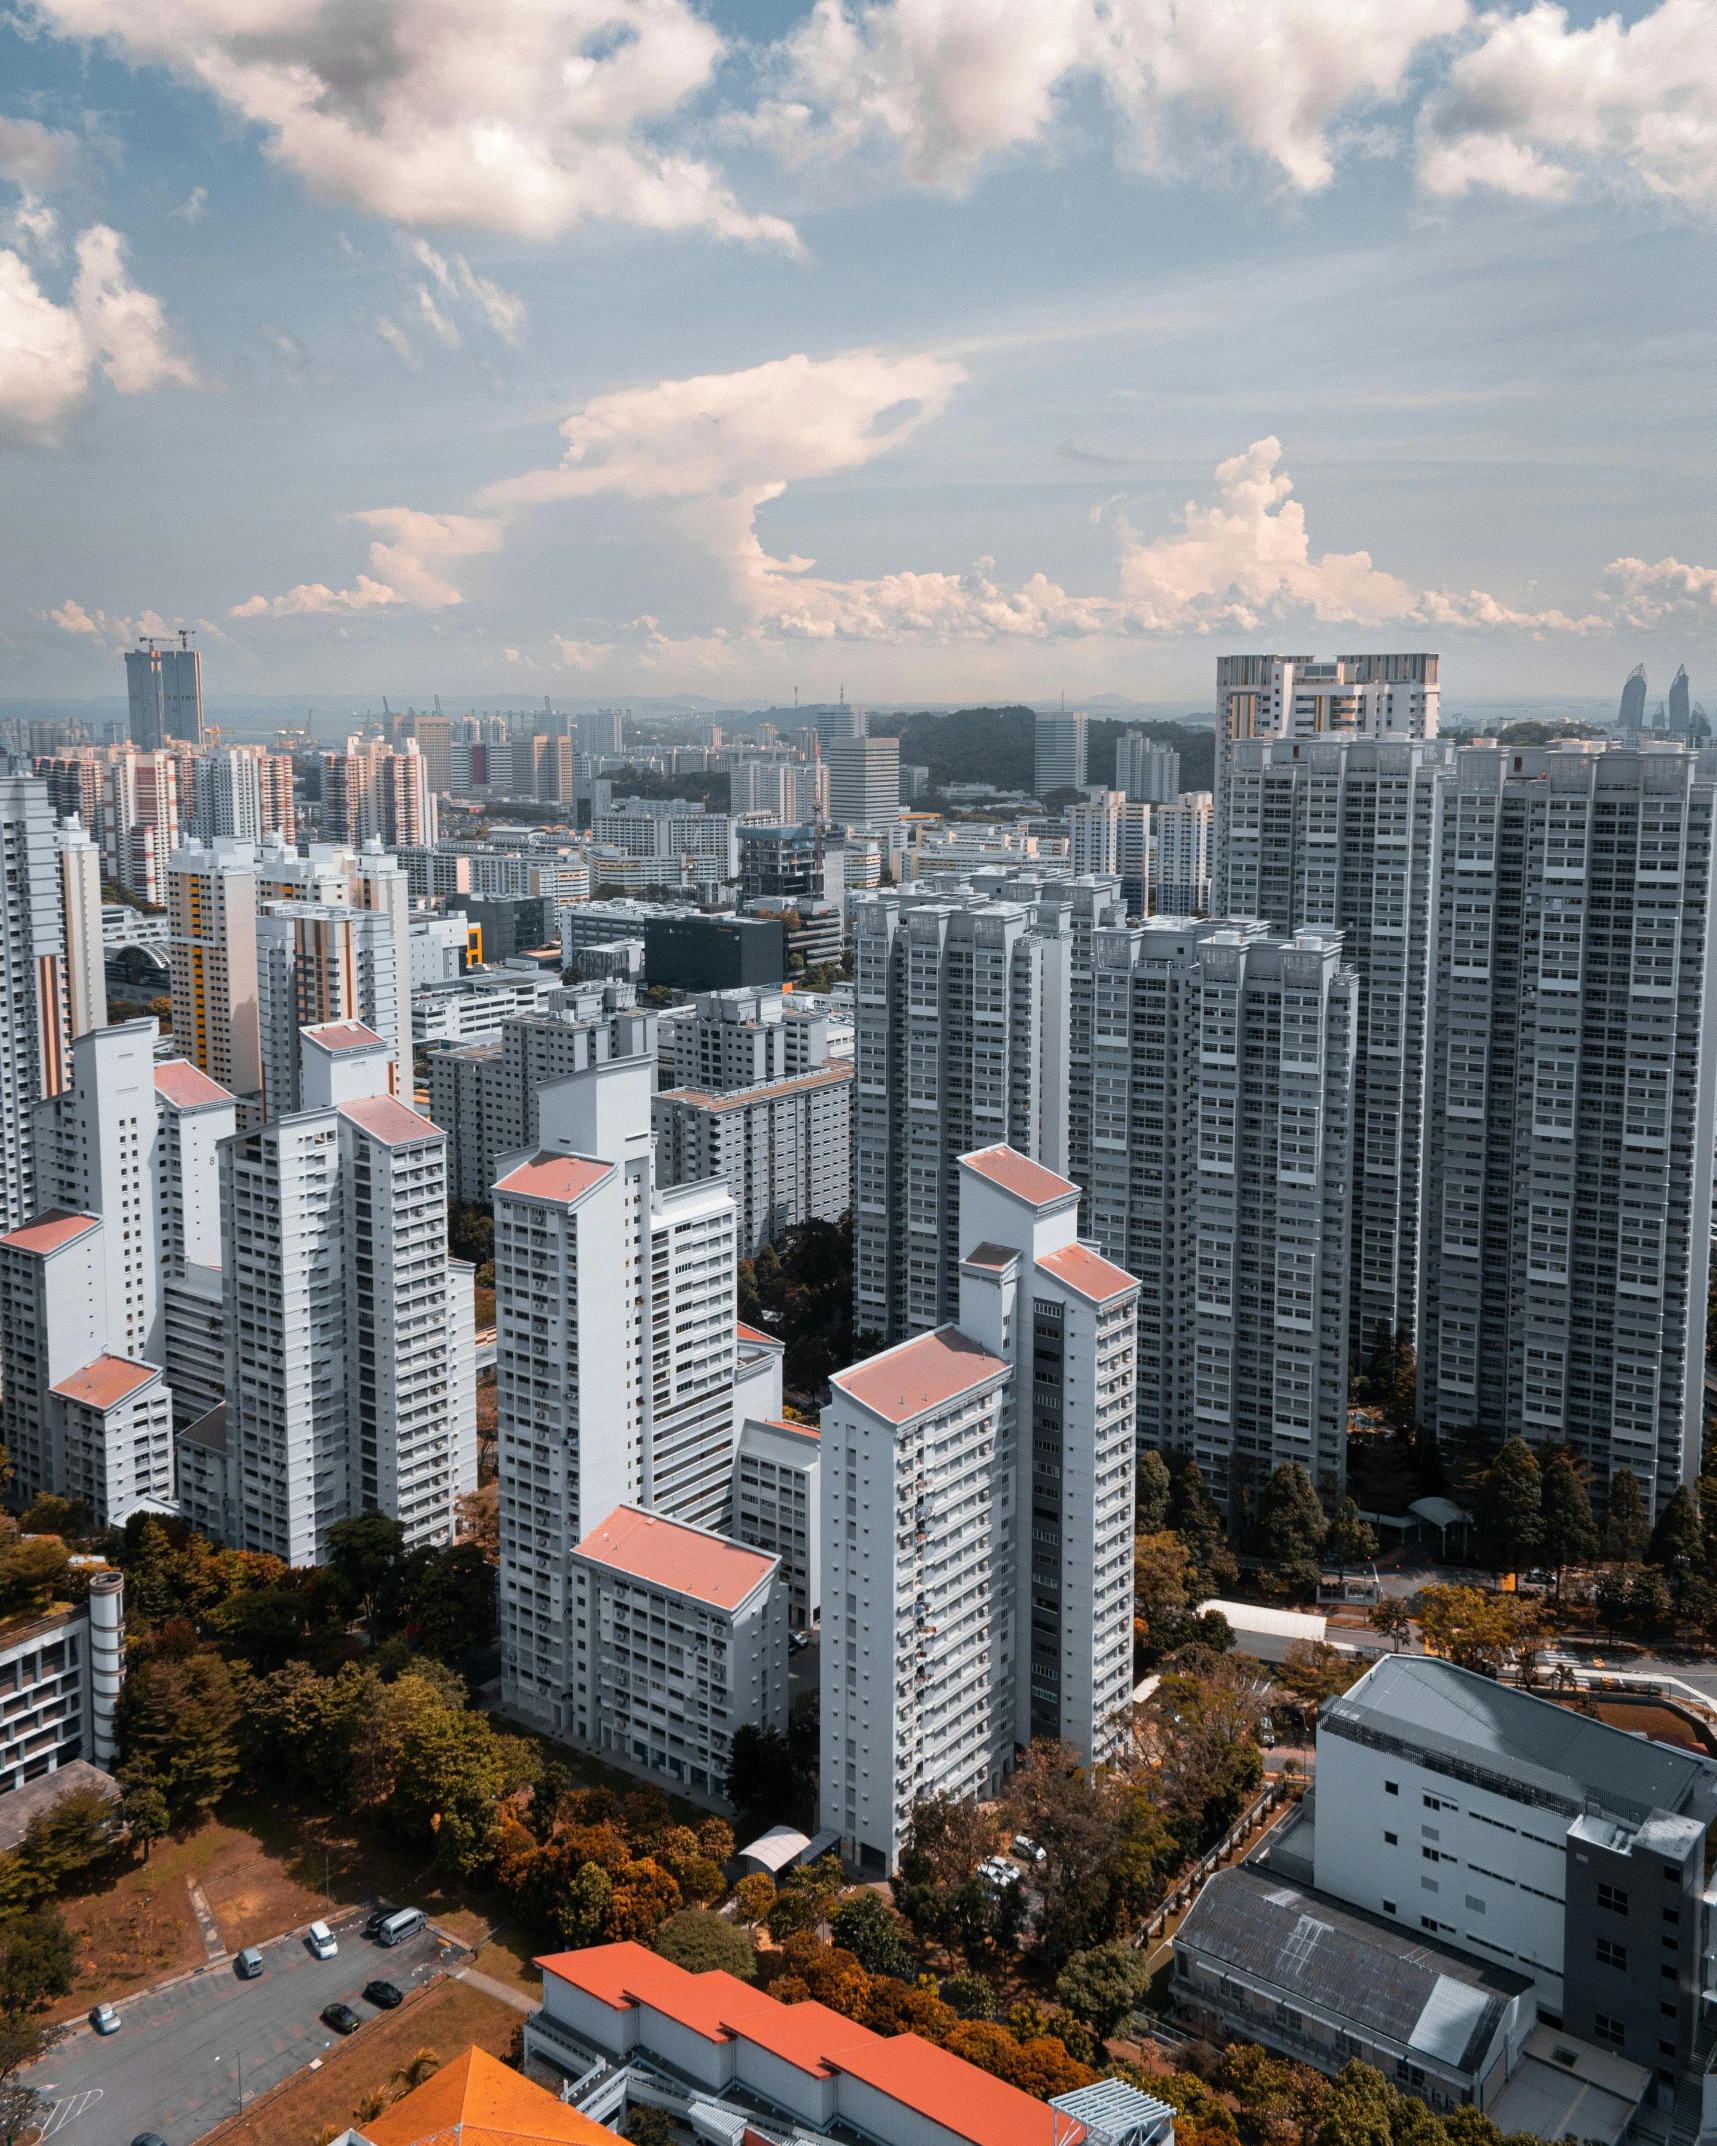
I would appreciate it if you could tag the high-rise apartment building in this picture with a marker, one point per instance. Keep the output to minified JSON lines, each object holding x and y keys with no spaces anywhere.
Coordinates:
{"x":864,"y":780}
{"x":1094,"y":833}
{"x":599,"y":731}
{"x":1058,"y":756}
{"x":347,"y":1328}
{"x":373,"y":793}
{"x":616,"y":1358}
{"x":226,"y":799}
{"x":79,"y":864}
{"x":317,"y":962}
{"x":35,"y":1038}
{"x":1300,"y":697}
{"x":1339,"y":834}
{"x":1220,"y":1174}
{"x":963,"y":1017}
{"x":782,"y":1147}
{"x":781,"y":858}
{"x":164,"y":687}
{"x":211,"y":919}
{"x":735,"y":1039}
{"x":1145,"y":772}
{"x":1569,"y":1128}
{"x":1182,"y":842}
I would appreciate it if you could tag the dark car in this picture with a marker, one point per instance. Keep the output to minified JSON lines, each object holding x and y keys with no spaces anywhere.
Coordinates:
{"x":383,"y":1995}
{"x":341,"y":2018}
{"x":149,"y":2138}
{"x":372,"y":1929}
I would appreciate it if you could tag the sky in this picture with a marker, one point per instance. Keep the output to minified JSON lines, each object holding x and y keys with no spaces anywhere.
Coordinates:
{"x":954,"y":350}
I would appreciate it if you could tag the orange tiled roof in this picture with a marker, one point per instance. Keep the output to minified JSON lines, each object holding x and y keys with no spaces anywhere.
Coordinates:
{"x":50,"y":1229}
{"x":479,"y":2101}
{"x":802,"y":2034}
{"x":187,"y":1085}
{"x":610,"y":1973}
{"x":389,"y":1119}
{"x":106,"y":1381}
{"x":919,"y":1375}
{"x":343,"y":1036}
{"x":709,"y":2004}
{"x":1018,"y":1174}
{"x":972,"y":2104}
{"x":667,"y":1553}
{"x":756,"y":1337}
{"x":555,"y":1177}
{"x":1088,"y":1272}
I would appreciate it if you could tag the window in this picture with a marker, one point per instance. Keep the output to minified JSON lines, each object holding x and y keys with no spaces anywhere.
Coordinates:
{"x":1671,"y":1915}
{"x":1671,"y":1876}
{"x":1607,"y":2030}
{"x":1431,"y":1855}
{"x":1392,"y":1788}
{"x":1613,"y":1898}
{"x":1612,"y":1955}
{"x":1668,"y":2010}
{"x":1393,"y":1839}
{"x":1666,"y":2049}
{"x":1389,"y":1907}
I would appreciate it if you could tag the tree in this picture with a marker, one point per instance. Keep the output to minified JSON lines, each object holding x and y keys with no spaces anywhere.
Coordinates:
{"x":1570,"y":1535}
{"x":177,"y":1723}
{"x":644,"y":1897}
{"x":870,"y":1933}
{"x":38,"y":1961}
{"x":1511,"y":1509}
{"x":263,"y":1624}
{"x":1105,"y":1986}
{"x":771,"y":1778}
{"x":23,"y":2043}
{"x":583,"y":1914}
{"x":972,"y":1995}
{"x":1350,"y":1541}
{"x":1393,"y":1616}
{"x":1054,"y":1799}
{"x":75,"y":1830}
{"x":1678,"y":1540}
{"x":754,"y":1896}
{"x":447,"y":1599}
{"x":31,"y":1574}
{"x":698,"y":1939}
{"x":146,"y":1815}
{"x":1194,"y":1517}
{"x":649,"y":2127}
{"x":1314,"y":1671}
{"x":1154,"y":1491}
{"x":366,"y":1557}
{"x":1289,"y":1529}
{"x":1626,"y":1528}
{"x":947,"y":1837}
{"x":1472,"y":1629}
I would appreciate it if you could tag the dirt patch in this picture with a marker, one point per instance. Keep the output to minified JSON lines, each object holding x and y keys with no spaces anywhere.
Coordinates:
{"x":1661,"y":1723}
{"x":507,"y":1957}
{"x":446,"y":2018}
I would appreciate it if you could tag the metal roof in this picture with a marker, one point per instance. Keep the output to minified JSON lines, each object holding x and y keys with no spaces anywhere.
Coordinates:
{"x":1445,"y":1713}
{"x":1344,"y":1964}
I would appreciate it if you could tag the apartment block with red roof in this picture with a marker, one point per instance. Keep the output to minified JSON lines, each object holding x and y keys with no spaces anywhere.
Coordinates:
{"x":679,"y":1639}
{"x":777,"y":1506}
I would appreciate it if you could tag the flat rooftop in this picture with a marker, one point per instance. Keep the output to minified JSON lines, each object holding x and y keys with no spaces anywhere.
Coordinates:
{"x":917,"y":1376}
{"x":669,"y":1554}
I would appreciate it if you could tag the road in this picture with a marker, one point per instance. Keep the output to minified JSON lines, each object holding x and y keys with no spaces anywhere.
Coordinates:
{"x":173,"y":2067}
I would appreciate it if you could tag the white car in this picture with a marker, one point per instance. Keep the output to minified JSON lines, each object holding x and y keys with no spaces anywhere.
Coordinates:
{"x":999,"y":1871}
{"x":104,"y":2019}
{"x":321,"y":1941}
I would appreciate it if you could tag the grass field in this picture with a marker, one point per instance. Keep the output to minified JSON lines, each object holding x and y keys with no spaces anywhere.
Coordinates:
{"x":446,"y":2019}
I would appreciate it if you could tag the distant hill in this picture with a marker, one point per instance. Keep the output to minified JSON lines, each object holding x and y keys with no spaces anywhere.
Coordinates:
{"x":996,"y":745}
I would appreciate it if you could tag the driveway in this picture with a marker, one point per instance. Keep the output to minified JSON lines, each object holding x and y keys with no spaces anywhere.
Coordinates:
{"x":174,"y":2065}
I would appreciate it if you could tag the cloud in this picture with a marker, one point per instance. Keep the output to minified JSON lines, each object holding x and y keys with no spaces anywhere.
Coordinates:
{"x":397,"y":341}
{"x":950,"y":89}
{"x":48,"y":352}
{"x":1648,"y":596}
{"x":401,"y":573}
{"x":194,"y":206}
{"x":71,"y":617}
{"x":116,"y":632}
{"x":455,"y":279}
{"x":1536,"y":107}
{"x":34,"y":156}
{"x":525,"y":116}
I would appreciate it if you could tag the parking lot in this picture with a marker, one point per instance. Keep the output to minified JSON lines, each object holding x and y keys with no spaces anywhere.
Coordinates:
{"x":175,"y":2065}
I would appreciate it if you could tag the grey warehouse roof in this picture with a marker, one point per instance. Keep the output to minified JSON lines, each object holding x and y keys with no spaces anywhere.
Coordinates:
{"x":1346,"y":1965}
{"x":1435,"y":1709}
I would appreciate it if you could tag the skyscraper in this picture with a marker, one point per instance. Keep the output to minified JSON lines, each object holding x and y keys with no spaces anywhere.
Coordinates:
{"x":1146,"y":772}
{"x":211,"y":918}
{"x":1339,"y":834}
{"x":1300,"y":697}
{"x":864,"y":780}
{"x":1058,"y":753}
{"x":319,"y":962}
{"x":34,"y":1039}
{"x":164,"y":688}
{"x":80,"y":899}
{"x":1630,"y":719}
{"x":1678,"y":707}
{"x":228,"y":796}
{"x":964,"y":1009}
{"x":1221,"y":1150}
{"x":1569,"y":1130}
{"x":1182,"y":840}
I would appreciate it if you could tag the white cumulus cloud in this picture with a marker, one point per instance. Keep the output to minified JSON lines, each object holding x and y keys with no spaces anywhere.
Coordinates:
{"x":527,"y":116}
{"x":407,"y":560}
{"x":49,"y":351}
{"x":952,"y":88}
{"x":457,"y":282}
{"x":1538,"y":106}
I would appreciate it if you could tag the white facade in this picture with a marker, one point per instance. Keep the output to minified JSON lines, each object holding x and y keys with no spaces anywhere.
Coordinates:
{"x":679,"y":1639}
{"x":917,"y":1659}
{"x":193,"y":1116}
{"x":1066,"y":1321}
{"x":739,"y":1038}
{"x":471,"y":1008}
{"x":616,"y":1355}
{"x":212,"y":907}
{"x":438,"y":949}
{"x":1393,"y":696}
{"x":80,"y":898}
{"x":1094,"y":832}
{"x":1146,"y":773}
{"x":1569,"y":1127}
{"x":1220,"y":1173}
{"x":864,"y":780}
{"x":34,"y":1039}
{"x":1059,"y":752}
{"x":228,"y":797}
{"x":1182,"y":841}
{"x":784,"y":1149}
{"x":318,"y":962}
{"x":195,"y":1348}
{"x":776,"y":1507}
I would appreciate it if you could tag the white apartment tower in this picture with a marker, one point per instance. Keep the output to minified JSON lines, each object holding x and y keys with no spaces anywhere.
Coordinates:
{"x":1220,"y":1174}
{"x":1302,"y":697}
{"x":80,"y":898}
{"x":1146,"y":773}
{"x":963,"y":1017}
{"x":227,"y":796}
{"x":1182,"y":841}
{"x":1340,"y":835}
{"x":1094,"y":832}
{"x":346,"y":1327}
{"x":318,"y":962}
{"x":211,"y":916}
{"x":34,"y":1040}
{"x":616,"y":1356}
{"x":193,"y":1116}
{"x":1065,"y":1318}
{"x":1569,"y":1128}
{"x":1058,"y":757}
{"x":864,"y":780}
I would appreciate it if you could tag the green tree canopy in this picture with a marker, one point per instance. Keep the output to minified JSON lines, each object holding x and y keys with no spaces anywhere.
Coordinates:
{"x":177,"y":1728}
{"x":698,"y":1939}
{"x":1510,"y":1510}
{"x":1154,"y":1492}
{"x":1350,"y":1541}
{"x":1570,"y":1534}
{"x":1627,"y":1531}
{"x":1678,"y":1540}
{"x":1105,"y":1986}
{"x":873,"y":1937}
{"x":1289,"y":1529}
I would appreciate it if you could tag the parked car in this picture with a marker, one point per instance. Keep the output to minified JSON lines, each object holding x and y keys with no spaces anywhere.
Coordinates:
{"x":1027,"y":1850}
{"x":247,"y":1965}
{"x":398,"y":1927}
{"x":104,"y":2019}
{"x":373,"y":1928}
{"x":341,"y":2018}
{"x":321,"y":1941}
{"x":999,"y":1871}
{"x":149,"y":2138}
{"x":383,"y":1995}
{"x":797,"y":1642}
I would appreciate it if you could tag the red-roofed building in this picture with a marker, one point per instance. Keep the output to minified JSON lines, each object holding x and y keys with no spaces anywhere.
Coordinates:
{"x":186,"y":1087}
{"x":724,"y":1611}
{"x":744,"y":2048}
{"x":562,"y":1178}
{"x":193,"y":1115}
{"x":49,"y":1232}
{"x":479,"y":2101}
{"x":1012,"y":1172}
{"x":776,"y":1473}
{"x":921,"y":1377}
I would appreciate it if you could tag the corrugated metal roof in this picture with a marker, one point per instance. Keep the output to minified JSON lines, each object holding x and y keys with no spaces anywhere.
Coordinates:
{"x":1344,"y":1964}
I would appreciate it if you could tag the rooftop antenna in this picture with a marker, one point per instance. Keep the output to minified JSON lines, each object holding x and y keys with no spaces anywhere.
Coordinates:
{"x":438,"y":703}
{"x":843,"y":696}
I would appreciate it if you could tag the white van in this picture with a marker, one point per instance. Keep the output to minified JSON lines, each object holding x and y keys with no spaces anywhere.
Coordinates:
{"x":320,"y":1939}
{"x":398,"y":1928}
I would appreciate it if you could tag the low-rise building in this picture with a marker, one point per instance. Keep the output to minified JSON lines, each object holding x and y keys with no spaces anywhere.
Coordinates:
{"x":775,"y":1507}
{"x":681,"y":1638}
{"x":60,"y":1677}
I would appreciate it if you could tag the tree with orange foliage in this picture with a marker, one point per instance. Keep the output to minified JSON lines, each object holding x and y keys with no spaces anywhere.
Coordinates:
{"x":644,"y":1897}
